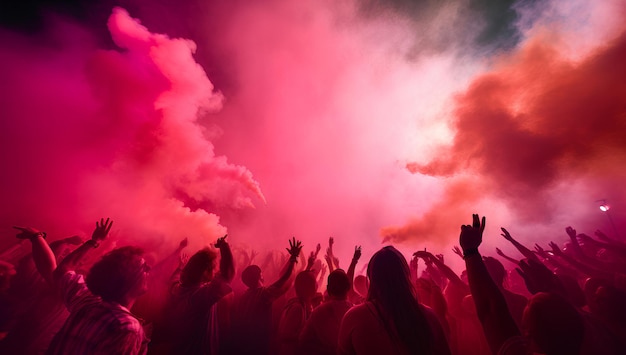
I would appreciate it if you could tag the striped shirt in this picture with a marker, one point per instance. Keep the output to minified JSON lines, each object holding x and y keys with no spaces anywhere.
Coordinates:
{"x":95,"y":326}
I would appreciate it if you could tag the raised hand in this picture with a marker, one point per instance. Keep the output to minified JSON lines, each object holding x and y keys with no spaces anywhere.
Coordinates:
{"x":331,"y":241}
{"x":499,"y":252}
{"x":586,"y":239}
{"x":458,"y":251}
{"x":413,"y":263}
{"x":472,"y":236}
{"x":357,"y":253}
{"x":102,"y":230}
{"x":28,"y":232}
{"x":182,"y":260}
{"x":538,"y":277}
{"x":506,"y":234}
{"x":183,"y":244}
{"x":221,"y":242}
{"x":317,"y":249}
{"x":329,"y":261}
{"x":540,"y":251}
{"x":311,"y":260}
{"x":571,"y":232}
{"x":425,"y":255}
{"x":295,"y":246}
{"x":555,"y":248}
{"x":602,"y":236}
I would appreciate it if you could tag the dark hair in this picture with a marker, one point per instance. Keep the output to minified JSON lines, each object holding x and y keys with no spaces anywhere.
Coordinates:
{"x":338,"y":284}
{"x":496,"y":269}
{"x":196,"y":266}
{"x":392,"y":292}
{"x":112,"y":277}
{"x":251,"y":276}
{"x":305,"y":284}
{"x":554,"y":324}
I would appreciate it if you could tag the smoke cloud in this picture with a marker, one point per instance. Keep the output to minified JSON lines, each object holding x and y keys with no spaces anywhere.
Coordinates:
{"x":367,"y":121}
{"x":115,"y":133}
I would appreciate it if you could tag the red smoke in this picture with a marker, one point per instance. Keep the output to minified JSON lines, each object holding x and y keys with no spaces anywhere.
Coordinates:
{"x":538,"y":124}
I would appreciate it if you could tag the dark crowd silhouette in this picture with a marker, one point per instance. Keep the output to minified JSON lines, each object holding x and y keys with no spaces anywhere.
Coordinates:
{"x":64,"y":297}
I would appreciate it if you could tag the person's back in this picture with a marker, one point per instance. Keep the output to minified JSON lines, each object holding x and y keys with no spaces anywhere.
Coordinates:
{"x":188,"y":315}
{"x":95,"y":326}
{"x":321,"y":330}
{"x":187,"y":323}
{"x":251,"y":331}
{"x":296,"y":313}
{"x":99,"y":321}
{"x":368,"y":334}
{"x":252,"y":321}
{"x":391,"y":321}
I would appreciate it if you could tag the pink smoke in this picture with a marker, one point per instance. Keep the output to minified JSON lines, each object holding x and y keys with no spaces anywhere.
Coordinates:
{"x":326,"y":111}
{"x":94,"y":133}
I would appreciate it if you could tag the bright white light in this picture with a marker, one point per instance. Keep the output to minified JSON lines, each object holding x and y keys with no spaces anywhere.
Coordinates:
{"x":604,"y":208}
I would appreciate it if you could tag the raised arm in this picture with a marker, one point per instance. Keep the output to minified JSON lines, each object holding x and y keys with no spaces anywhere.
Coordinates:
{"x":72,"y":260}
{"x":227,"y":262}
{"x":456,"y":250}
{"x":443,"y":268}
{"x":506,"y":257}
{"x":277,"y":288}
{"x":522,"y":249}
{"x":352,"y":267}
{"x":580,"y":266}
{"x":331,"y":260}
{"x":183,"y":258}
{"x":614,"y":247}
{"x":313,"y":257}
{"x":44,"y":258}
{"x":491,"y":307}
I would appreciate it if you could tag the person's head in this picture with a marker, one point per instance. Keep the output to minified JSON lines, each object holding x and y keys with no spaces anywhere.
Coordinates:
{"x":574,"y":292}
{"x":199,"y":268}
{"x":252,"y":276}
{"x":590,"y":287}
{"x":120,"y":275}
{"x":496,"y":270}
{"x":393,"y":293}
{"x":464,"y":276}
{"x":553,"y":325}
{"x":388,"y":273}
{"x":361,"y":285}
{"x":305,"y":285}
{"x":338,"y":284}
{"x":610,"y":304}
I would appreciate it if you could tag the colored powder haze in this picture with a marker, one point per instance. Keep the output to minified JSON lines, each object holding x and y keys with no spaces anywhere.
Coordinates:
{"x":367,"y":121}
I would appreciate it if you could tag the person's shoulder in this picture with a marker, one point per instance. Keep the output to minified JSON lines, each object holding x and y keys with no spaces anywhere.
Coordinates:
{"x":516,"y":345}
{"x":70,"y":277}
{"x":122,"y":318}
{"x":516,"y":296}
{"x":429,"y":312}
{"x":359,"y":313}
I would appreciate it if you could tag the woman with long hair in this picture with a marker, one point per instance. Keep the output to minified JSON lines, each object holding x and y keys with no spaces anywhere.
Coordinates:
{"x":391,"y":321}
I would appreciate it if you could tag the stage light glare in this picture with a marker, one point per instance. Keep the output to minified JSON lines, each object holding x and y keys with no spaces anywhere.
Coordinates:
{"x":604,"y":208}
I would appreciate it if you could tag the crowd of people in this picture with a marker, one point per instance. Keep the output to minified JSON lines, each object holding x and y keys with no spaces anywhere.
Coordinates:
{"x":568,"y":299}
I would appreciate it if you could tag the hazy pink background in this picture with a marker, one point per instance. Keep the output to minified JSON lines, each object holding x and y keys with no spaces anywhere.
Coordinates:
{"x":339,"y":126}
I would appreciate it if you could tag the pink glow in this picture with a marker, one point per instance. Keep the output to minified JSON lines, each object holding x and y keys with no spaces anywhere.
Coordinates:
{"x":328,"y":113}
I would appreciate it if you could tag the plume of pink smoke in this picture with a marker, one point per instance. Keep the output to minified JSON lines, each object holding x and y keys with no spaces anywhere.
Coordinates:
{"x":116,"y":133}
